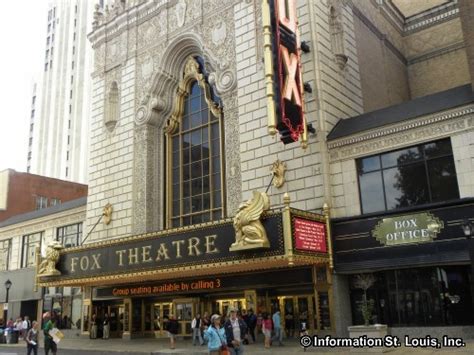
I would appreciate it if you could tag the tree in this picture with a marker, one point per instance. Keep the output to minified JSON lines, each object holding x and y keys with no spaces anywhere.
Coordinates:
{"x":364,"y":282}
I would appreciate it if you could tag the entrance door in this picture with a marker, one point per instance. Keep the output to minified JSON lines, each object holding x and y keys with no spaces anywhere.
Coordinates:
{"x":222,"y":306}
{"x":185,"y":309}
{"x":161,"y":314}
{"x":115,"y":321}
{"x":296,"y":312}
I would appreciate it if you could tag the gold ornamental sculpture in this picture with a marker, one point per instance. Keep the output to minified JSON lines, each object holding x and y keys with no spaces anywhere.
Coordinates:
{"x":278,"y":170}
{"x":47,"y":267}
{"x":249,"y":231}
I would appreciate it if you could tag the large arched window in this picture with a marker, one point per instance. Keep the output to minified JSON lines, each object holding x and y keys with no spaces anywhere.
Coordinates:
{"x":195,"y":168}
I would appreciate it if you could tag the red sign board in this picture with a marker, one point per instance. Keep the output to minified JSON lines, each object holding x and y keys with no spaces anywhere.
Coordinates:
{"x":286,"y":48}
{"x":310,"y":235}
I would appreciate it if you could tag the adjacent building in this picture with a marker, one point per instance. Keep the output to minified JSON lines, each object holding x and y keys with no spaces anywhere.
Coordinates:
{"x":59,"y":142}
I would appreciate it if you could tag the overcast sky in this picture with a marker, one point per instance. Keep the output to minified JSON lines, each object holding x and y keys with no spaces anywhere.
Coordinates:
{"x":22,"y":33}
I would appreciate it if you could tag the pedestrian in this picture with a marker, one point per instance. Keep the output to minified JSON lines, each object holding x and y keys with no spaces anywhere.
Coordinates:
{"x":32,"y":339}
{"x":259,"y":324}
{"x":267,"y":329}
{"x":93,"y":334}
{"x":172,"y":328}
{"x":277,"y":327}
{"x":196,"y":327}
{"x":235,"y":330}
{"x":205,"y":323}
{"x":49,"y":343}
{"x":215,"y":336}
{"x":18,"y":325}
{"x":106,"y":327}
{"x":289,"y":325}
{"x":26,"y":325}
{"x":252,"y":323}
{"x":246,"y":319}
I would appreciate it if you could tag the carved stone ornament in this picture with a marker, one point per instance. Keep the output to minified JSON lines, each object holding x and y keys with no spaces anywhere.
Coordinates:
{"x":181,"y":12}
{"x":278,"y":170}
{"x":191,"y":73}
{"x":47,"y":267}
{"x":249,"y":231}
{"x":107,"y":213}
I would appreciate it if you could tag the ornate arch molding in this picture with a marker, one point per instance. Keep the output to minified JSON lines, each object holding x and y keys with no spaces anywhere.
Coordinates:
{"x":192,"y":72}
{"x":159,"y":102}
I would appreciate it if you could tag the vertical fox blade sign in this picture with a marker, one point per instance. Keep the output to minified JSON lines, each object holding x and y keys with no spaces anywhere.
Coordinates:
{"x":284,"y":85}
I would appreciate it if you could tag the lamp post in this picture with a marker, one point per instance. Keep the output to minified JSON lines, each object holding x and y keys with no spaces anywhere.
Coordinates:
{"x":8,"y":284}
{"x":468,"y":229}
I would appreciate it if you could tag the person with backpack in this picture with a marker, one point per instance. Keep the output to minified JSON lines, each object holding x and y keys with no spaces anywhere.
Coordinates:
{"x":215,"y":336}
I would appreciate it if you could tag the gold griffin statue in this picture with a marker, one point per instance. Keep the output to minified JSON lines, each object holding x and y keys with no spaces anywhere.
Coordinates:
{"x":249,"y":231}
{"x":47,"y":267}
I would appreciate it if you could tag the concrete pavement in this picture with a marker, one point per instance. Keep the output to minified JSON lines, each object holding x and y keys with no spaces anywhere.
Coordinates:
{"x":78,"y":346}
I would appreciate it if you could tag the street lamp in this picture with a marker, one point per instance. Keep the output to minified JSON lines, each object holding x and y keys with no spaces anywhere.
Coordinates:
{"x":8,"y":284}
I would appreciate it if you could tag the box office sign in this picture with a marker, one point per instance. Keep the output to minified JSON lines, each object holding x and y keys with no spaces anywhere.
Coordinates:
{"x":309,"y":235}
{"x":167,"y":249}
{"x":408,"y":229}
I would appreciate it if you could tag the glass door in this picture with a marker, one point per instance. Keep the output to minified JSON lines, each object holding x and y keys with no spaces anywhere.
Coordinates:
{"x":296,"y":312}
{"x":161,"y":314}
{"x":114,"y":321}
{"x":184,"y":316}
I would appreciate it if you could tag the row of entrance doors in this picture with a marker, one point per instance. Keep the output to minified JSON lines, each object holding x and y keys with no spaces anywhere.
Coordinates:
{"x":143,"y":318}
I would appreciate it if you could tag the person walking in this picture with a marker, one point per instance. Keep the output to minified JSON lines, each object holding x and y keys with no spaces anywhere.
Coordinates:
{"x":93,"y":334}
{"x":106,"y":324}
{"x":252,"y":323}
{"x":32,"y":339}
{"x":235,"y":330}
{"x":267,"y":329}
{"x":49,"y":343}
{"x":196,"y":327}
{"x":215,"y":336}
{"x":26,"y":325}
{"x":277,"y":327}
{"x":172,"y":328}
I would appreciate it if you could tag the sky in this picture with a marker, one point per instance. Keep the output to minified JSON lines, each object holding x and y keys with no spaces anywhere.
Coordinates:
{"x":23,"y":38}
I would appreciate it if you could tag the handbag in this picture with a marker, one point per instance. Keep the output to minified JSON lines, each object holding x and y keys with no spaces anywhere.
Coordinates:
{"x":224,"y":350}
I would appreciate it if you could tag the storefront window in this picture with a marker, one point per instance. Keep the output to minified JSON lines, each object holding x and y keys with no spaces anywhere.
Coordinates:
{"x":4,"y":254}
{"x":408,"y":177}
{"x":418,"y":297}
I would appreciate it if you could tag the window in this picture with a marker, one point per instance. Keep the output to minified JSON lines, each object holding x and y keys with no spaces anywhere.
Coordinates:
{"x":49,"y":27}
{"x":69,"y":124}
{"x":67,"y":171}
{"x":32,"y":113}
{"x":72,"y":65}
{"x":32,"y":125}
{"x":70,"y":236}
{"x":52,"y":49}
{"x":67,"y":155}
{"x":30,"y":242}
{"x":73,"y":49}
{"x":50,"y":64}
{"x":74,"y":36}
{"x":68,"y":139}
{"x":75,"y":22}
{"x":70,"y":108}
{"x":70,"y":94}
{"x":47,"y":41}
{"x":195,"y":169}
{"x":47,"y":54}
{"x":33,"y":100}
{"x":45,"y":66}
{"x":41,"y":202}
{"x":72,"y":79}
{"x":55,"y":201}
{"x":30,"y":141}
{"x":52,"y":38}
{"x":408,"y":177}
{"x":4,"y":254}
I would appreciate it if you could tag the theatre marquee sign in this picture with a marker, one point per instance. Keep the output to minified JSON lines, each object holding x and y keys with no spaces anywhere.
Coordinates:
{"x":408,"y":229}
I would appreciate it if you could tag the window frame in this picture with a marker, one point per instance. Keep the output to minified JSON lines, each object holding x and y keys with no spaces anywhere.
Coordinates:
{"x":7,"y":261}
{"x":424,"y":160}
{"x":78,"y":235}
{"x":192,"y":75}
{"x":25,"y":257}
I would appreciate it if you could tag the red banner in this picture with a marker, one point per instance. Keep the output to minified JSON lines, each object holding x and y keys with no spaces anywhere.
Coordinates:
{"x":310,"y":235}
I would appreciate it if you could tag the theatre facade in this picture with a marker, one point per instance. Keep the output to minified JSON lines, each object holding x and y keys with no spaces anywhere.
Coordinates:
{"x":141,"y":281}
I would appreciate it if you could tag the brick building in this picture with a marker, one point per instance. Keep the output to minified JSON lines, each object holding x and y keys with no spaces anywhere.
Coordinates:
{"x":180,"y":137}
{"x":24,"y":192}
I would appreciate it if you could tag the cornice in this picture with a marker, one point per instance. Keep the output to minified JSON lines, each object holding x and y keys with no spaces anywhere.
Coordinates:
{"x":431,"y":17}
{"x":418,"y":129}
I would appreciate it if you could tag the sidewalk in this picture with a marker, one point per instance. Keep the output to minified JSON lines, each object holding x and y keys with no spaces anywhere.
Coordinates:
{"x":76,"y":346}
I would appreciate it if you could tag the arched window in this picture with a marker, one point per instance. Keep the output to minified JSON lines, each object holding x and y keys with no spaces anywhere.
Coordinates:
{"x":195,"y":168}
